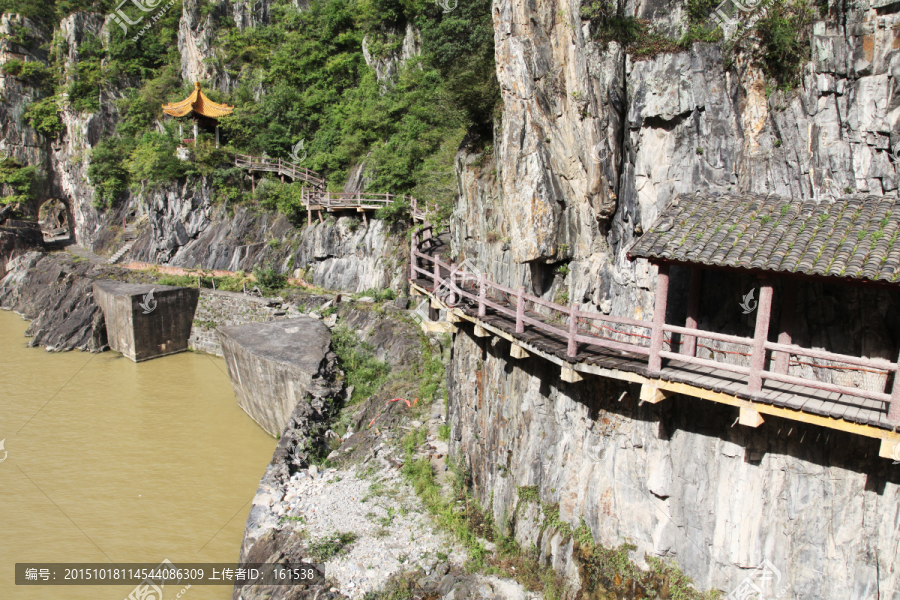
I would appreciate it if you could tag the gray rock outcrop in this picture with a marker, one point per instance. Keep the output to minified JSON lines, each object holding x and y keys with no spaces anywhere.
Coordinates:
{"x":675,"y":479}
{"x":56,"y":294}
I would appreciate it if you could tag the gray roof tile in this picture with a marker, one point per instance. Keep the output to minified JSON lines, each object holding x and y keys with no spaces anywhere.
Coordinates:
{"x":853,"y":237}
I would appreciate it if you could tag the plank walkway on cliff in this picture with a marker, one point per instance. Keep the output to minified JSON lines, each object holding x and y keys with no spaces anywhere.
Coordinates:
{"x":583,"y":343}
{"x":315,"y":196}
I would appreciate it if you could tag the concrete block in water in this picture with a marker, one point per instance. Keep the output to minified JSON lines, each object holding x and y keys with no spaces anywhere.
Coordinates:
{"x":272,"y":365}
{"x":146,"y":321}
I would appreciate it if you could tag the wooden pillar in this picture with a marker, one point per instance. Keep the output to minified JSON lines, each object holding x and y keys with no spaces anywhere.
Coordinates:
{"x":894,"y":412}
{"x":437,"y":275}
{"x":689,"y":342}
{"x":195,"y":132}
{"x":654,"y":364}
{"x":758,"y":355}
{"x":451,"y":299}
{"x":217,"y":136}
{"x":412,"y":256}
{"x":786,"y":327}
{"x":572,"y":350}
{"x":520,"y":311}
{"x":482,"y":291}
{"x":252,"y":183}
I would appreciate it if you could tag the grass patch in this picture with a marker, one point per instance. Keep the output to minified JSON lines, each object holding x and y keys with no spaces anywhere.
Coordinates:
{"x":444,"y":432}
{"x":326,"y":548}
{"x":364,"y":372}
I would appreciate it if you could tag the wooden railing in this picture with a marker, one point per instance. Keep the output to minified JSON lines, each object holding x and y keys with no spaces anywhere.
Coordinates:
{"x":561,"y":321}
{"x":564,"y":321}
{"x":282,"y":167}
{"x":344,"y":200}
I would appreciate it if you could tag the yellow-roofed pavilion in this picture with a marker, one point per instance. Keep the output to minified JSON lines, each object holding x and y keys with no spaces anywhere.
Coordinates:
{"x":201,"y":109}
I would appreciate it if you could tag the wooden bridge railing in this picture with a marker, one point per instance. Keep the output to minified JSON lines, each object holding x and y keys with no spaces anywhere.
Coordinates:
{"x":569,"y":317}
{"x":282,"y":167}
{"x":340,"y":200}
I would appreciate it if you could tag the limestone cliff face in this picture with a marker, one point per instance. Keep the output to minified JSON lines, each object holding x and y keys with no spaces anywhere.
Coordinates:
{"x":186,"y":228}
{"x":591,"y":145}
{"x":674,"y":479}
{"x":17,"y":139}
{"x":199,"y":29}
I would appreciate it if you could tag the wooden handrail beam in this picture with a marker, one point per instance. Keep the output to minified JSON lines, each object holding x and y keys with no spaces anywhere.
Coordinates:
{"x":874,"y":363}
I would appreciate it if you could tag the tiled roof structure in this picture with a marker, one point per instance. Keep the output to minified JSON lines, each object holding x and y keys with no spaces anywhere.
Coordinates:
{"x":197,"y":102}
{"x":853,"y":237}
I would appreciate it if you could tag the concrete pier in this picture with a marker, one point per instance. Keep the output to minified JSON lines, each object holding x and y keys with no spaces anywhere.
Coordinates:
{"x":272,"y":366}
{"x":146,"y":321}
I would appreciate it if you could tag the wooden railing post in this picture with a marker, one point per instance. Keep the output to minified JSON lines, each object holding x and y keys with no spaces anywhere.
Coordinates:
{"x":654,"y":364}
{"x":572,"y":351}
{"x":412,"y":256}
{"x":758,"y":354}
{"x":894,"y":408}
{"x":520,"y":311}
{"x":788,"y":305}
{"x":689,"y":342}
{"x":482,"y":291}
{"x":437,"y":275}
{"x":451,"y":299}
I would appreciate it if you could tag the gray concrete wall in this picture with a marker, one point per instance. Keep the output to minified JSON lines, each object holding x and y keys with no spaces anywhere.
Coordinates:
{"x":142,"y":334}
{"x":272,"y":366}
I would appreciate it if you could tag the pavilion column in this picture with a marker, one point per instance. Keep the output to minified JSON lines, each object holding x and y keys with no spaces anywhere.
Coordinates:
{"x":217,"y":136}
{"x":689,"y":343}
{"x":758,"y":355}
{"x":786,"y":327}
{"x":195,"y":132}
{"x":654,"y":365}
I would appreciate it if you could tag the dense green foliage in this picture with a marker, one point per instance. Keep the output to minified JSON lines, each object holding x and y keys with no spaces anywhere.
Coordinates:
{"x":364,"y":371}
{"x":49,"y":12}
{"x":316,"y":87}
{"x":43,"y":116}
{"x":320,"y":90}
{"x":16,"y":181}
{"x":782,"y":42}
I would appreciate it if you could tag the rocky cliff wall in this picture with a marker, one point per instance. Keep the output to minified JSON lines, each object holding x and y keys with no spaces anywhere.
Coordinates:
{"x":590,"y":146}
{"x":55,"y":293}
{"x":678,"y":480}
{"x":185,"y":228}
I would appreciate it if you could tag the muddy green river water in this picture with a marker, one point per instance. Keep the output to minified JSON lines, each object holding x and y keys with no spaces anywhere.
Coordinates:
{"x":109,"y":461}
